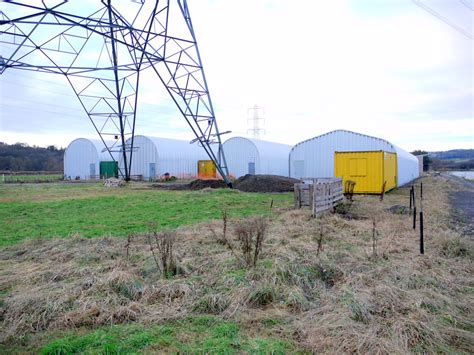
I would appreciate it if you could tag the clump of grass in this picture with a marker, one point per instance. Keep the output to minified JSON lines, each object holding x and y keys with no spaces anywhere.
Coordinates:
{"x":454,"y":247}
{"x":359,"y":309}
{"x":168,"y":293}
{"x":262,"y":295}
{"x":126,"y":285}
{"x":214,"y":303}
{"x":296,"y":300}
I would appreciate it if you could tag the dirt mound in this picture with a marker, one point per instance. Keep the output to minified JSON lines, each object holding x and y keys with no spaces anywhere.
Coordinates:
{"x":193,"y":185}
{"x":202,"y":184}
{"x":265,"y":183}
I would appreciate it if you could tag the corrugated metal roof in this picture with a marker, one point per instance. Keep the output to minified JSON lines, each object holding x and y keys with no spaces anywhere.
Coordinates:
{"x":344,"y":131}
{"x":99,"y":146}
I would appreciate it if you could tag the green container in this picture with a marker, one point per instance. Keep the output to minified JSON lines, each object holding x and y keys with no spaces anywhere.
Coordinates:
{"x":108,"y":169}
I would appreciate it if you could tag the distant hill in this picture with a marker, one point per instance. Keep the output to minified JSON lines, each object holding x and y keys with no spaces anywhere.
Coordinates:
{"x":456,"y":159}
{"x":457,"y":154}
{"x":22,"y":157}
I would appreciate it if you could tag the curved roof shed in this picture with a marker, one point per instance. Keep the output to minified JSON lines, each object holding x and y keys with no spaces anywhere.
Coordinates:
{"x":315,"y":157}
{"x":154,"y":156}
{"x":82,"y":158}
{"x":254,"y":156}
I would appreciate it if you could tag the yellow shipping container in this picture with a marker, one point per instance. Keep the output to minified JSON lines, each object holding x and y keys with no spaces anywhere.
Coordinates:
{"x":369,"y":170}
{"x":206,"y":169}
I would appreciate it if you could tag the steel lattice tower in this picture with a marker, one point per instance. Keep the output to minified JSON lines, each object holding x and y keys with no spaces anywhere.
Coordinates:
{"x":101,"y":47}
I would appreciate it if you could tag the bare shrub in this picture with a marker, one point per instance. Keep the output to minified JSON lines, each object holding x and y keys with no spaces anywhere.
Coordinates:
{"x":128,"y":244}
{"x":251,"y":234}
{"x":320,"y":240}
{"x":374,"y":240}
{"x":161,"y":247}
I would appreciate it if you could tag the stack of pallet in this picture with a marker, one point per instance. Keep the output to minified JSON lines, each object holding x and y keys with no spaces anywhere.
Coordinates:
{"x":320,"y":194}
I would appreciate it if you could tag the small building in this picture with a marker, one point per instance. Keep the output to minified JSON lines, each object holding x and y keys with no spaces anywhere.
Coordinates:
{"x":84,"y":158}
{"x":254,"y":156}
{"x":153,"y":157}
{"x":373,"y":172}
{"x":315,"y":157}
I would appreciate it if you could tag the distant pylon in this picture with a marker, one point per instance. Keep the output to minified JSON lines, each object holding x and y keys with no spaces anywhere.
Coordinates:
{"x":255,"y":120}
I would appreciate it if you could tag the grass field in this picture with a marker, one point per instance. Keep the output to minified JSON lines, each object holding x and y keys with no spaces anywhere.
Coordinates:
{"x":7,"y":179}
{"x":352,"y":281}
{"x":60,"y":210}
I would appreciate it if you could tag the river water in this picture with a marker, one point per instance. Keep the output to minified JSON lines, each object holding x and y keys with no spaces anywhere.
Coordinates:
{"x":467,"y":174}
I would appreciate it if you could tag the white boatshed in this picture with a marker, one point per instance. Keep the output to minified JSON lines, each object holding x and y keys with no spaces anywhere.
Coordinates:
{"x":82,"y":159}
{"x":152,"y":157}
{"x":254,"y":156}
{"x":315,"y":157}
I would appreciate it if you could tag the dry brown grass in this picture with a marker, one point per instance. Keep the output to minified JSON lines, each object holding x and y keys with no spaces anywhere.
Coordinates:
{"x":338,"y":298}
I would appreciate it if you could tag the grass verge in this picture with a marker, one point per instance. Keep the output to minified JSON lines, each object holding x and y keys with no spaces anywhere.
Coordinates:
{"x":59,"y":210}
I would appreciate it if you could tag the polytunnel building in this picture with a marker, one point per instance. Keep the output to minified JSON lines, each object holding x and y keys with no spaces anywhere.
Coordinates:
{"x":86,"y":159}
{"x":153,"y":157}
{"x":254,"y":156}
{"x":316,"y":157}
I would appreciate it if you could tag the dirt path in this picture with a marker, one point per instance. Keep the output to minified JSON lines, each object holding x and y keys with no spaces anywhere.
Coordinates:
{"x":462,"y":201}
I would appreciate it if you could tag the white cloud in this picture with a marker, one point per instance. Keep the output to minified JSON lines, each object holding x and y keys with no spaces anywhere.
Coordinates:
{"x":321,"y":65}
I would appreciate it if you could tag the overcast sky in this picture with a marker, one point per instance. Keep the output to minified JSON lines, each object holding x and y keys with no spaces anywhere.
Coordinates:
{"x":387,"y":68}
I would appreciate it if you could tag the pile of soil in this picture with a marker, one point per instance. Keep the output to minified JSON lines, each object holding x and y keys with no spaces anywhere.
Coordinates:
{"x":202,"y":184}
{"x":193,"y":185}
{"x":265,"y":183}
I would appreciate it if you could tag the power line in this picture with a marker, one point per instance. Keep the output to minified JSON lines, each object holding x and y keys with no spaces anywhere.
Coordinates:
{"x":46,"y":104}
{"x":443,"y":19}
{"x":466,"y":3}
{"x":34,"y":109}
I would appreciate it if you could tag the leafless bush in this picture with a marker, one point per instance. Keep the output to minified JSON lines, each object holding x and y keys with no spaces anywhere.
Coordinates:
{"x":127,"y":245}
{"x":161,"y":247}
{"x":320,"y":240}
{"x":251,"y":234}
{"x":374,"y":240}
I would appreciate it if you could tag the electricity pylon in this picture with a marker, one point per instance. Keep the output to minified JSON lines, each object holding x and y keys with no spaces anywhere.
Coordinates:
{"x":101,"y":47}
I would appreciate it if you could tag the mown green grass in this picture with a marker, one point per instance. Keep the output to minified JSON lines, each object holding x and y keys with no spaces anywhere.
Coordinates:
{"x":59,"y":210}
{"x":194,"y":335}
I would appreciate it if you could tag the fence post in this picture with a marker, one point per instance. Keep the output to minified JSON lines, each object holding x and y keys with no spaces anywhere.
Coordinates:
{"x":422,"y":242}
{"x":414,"y":208}
{"x":411,"y":198}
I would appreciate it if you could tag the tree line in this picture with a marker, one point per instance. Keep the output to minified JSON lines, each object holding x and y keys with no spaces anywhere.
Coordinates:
{"x":22,"y":157}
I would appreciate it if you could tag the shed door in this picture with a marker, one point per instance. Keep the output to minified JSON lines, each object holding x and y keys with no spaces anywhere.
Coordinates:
{"x":152,"y":170}
{"x":251,"y":168}
{"x":92,"y":170}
